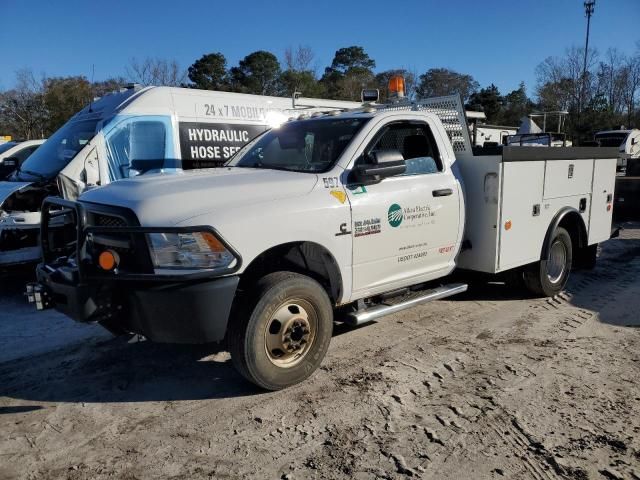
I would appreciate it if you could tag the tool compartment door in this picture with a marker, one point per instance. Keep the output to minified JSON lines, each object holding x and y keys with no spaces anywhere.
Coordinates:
{"x":521,"y":229}
{"x":566,"y":178}
{"x":600,"y":217}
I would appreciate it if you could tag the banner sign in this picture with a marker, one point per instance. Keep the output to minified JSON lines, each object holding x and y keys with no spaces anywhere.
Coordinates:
{"x":206,"y":145}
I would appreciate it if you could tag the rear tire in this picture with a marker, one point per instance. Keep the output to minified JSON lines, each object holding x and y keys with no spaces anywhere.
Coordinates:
{"x":282,"y":330}
{"x":548,"y":277}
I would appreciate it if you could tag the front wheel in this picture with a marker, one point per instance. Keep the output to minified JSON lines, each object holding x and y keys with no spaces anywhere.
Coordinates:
{"x":283,"y":332}
{"x":548,"y":277}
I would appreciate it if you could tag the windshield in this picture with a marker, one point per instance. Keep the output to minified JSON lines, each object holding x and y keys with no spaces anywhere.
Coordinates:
{"x":611,"y":139}
{"x":56,"y":153}
{"x":6,"y":146}
{"x":305,"y":146}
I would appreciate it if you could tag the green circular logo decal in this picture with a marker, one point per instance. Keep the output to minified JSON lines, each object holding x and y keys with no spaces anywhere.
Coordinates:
{"x":395,"y":215}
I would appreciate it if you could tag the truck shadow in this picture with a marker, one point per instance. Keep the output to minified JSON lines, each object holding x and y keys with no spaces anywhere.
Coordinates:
{"x":610,"y":290}
{"x":117,"y":371}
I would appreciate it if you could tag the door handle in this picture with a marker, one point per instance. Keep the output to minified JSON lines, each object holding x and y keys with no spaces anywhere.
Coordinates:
{"x":443,"y":192}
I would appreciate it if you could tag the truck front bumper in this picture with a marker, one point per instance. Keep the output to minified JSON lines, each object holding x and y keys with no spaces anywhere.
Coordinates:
{"x":171,"y":312}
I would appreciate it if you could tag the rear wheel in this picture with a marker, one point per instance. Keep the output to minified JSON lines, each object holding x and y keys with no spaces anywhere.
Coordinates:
{"x":548,"y":277}
{"x":281,"y":335}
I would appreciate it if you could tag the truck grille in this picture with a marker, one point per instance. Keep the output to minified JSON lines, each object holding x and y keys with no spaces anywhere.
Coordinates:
{"x":101,"y":220}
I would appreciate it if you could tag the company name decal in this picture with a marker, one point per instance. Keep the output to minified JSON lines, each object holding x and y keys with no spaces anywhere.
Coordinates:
{"x":370,"y":226}
{"x":413,"y":256}
{"x":410,"y":216}
{"x":211,"y":144}
{"x":395,"y":215}
{"x":242,"y":112}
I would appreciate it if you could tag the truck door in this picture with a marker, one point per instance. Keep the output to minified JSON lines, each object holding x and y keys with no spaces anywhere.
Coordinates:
{"x":405,"y":228}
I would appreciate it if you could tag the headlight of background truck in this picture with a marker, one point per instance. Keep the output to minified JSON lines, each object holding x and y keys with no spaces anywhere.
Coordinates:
{"x":188,"y":251}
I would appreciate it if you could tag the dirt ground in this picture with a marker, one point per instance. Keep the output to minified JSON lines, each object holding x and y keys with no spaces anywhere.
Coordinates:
{"x":490,"y":384}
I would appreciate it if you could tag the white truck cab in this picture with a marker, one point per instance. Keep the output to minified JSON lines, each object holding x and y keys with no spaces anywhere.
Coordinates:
{"x":361,"y":214}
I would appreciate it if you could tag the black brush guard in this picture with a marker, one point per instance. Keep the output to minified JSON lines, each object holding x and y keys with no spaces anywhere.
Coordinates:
{"x":175,"y":307}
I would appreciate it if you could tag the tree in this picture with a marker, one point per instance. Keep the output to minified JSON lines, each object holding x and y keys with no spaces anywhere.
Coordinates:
{"x":209,"y":72}
{"x":515,"y":106}
{"x":304,"y":82}
{"x":437,"y":82}
{"x":351,"y":70}
{"x":610,"y":79}
{"x":489,"y":101}
{"x":604,"y":97}
{"x":101,"y":88}
{"x":561,"y":80}
{"x":63,"y":97}
{"x":257,"y":73}
{"x":156,"y":71}
{"x":382,"y":82}
{"x":352,"y":58}
{"x":299,"y":76}
{"x":630,"y":79}
{"x":23,"y":108}
{"x":300,"y":59}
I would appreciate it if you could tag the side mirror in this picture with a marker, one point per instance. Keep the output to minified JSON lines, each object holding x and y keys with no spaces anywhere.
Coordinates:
{"x":381,"y":164}
{"x":11,"y":162}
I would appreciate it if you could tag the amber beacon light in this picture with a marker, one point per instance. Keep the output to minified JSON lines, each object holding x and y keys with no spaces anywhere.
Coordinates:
{"x":396,"y":86}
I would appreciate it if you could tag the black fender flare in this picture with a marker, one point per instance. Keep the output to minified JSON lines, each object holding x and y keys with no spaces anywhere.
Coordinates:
{"x":562,"y":213}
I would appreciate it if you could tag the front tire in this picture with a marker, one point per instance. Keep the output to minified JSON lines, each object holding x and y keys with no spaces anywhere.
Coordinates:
{"x":281,"y":334}
{"x":548,"y":277}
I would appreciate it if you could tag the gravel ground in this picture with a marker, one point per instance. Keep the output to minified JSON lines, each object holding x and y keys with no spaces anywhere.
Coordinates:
{"x":490,"y":384}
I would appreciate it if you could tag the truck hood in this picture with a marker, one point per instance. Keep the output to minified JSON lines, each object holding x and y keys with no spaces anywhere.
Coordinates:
{"x":167,"y":199}
{"x":9,"y":188}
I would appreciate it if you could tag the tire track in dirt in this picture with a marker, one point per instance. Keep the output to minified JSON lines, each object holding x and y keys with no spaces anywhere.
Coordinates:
{"x":428,"y":393}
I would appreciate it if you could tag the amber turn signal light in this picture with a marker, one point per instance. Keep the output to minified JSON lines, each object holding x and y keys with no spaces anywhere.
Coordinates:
{"x":213,"y":243}
{"x":108,"y":260}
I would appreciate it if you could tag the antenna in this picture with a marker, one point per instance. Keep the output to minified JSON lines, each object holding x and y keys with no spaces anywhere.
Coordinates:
{"x":93,"y":71}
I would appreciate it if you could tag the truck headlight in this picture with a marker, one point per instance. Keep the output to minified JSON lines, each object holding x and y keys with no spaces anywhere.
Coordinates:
{"x":188,"y":251}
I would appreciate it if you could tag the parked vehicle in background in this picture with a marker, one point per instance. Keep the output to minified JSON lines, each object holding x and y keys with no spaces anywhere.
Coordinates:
{"x":628,"y":140}
{"x":484,"y":135}
{"x":13,"y":154}
{"x":529,"y":134}
{"x":357,"y":213}
{"x":627,"y":197}
{"x":132,"y":132}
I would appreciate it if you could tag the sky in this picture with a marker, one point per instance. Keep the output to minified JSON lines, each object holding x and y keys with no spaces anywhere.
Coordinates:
{"x":496,"y":41}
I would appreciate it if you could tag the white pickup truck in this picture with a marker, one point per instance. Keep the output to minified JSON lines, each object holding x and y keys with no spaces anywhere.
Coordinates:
{"x":350,"y":215}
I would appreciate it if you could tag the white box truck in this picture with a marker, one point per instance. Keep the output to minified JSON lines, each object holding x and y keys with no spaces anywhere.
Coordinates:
{"x":133,"y":131}
{"x":362,"y":213}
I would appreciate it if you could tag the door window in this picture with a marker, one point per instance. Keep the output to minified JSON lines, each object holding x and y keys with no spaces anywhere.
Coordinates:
{"x":138,"y":144}
{"x":415,"y":142}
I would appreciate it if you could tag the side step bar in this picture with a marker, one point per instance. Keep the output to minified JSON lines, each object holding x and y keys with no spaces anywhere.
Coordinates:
{"x":375,"y":312}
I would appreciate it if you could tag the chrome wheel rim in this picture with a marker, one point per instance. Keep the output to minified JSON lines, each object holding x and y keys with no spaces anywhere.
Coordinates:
{"x":557,"y":261}
{"x":290,"y":332}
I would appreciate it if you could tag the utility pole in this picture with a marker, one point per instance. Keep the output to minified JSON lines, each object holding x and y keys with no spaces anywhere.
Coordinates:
{"x":589,"y":6}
